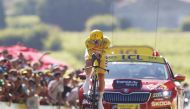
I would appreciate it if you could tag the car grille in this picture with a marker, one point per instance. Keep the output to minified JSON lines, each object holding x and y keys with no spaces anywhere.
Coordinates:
{"x":135,"y":97}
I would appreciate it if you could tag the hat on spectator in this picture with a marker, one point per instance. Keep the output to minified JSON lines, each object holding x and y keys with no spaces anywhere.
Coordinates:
{"x":47,"y":72}
{"x":36,"y":74}
{"x":23,"y":71}
{"x":66,"y":76}
{"x":13,"y":70}
{"x":68,"y":73}
{"x":28,"y":69}
{"x":76,"y":79}
{"x":55,"y":67}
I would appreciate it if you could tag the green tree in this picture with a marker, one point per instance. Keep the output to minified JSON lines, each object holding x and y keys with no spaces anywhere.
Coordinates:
{"x":103,"y":22}
{"x":25,"y":7}
{"x":72,"y":14}
{"x":2,"y":16}
{"x":185,"y":25}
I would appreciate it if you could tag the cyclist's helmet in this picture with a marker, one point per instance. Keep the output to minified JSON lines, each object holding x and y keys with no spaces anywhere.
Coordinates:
{"x":96,"y":35}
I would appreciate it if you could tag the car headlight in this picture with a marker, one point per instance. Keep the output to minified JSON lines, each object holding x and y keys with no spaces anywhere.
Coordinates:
{"x":163,"y":94}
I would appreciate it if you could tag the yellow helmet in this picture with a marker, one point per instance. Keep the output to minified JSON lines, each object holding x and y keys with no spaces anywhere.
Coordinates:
{"x":96,"y":35}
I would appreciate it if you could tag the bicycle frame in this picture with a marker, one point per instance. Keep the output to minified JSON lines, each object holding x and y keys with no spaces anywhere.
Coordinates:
{"x":93,"y":97}
{"x":94,"y":89}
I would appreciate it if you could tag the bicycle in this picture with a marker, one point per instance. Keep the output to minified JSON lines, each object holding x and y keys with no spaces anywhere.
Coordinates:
{"x":92,"y":97}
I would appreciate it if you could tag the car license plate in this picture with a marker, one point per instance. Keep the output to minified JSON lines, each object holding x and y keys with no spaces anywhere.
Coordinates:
{"x":128,"y":106}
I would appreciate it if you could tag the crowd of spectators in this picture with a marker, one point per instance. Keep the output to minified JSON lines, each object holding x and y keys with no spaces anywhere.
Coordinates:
{"x":25,"y":81}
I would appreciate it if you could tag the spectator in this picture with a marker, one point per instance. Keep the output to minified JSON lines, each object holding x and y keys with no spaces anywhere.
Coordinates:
{"x":32,"y":101}
{"x":27,"y":72}
{"x":2,"y":73}
{"x":186,"y":86}
{"x":22,"y":80}
{"x":67,"y":84}
{"x":72,"y":97}
{"x":14,"y":63}
{"x":36,"y":66}
{"x":4,"y":54}
{"x":4,"y":64}
{"x":13,"y":73}
{"x":2,"y":90}
{"x":55,"y":89}
{"x":17,"y":90}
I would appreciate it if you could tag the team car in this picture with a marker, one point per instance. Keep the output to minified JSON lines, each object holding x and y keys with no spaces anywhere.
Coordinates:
{"x":139,"y":78}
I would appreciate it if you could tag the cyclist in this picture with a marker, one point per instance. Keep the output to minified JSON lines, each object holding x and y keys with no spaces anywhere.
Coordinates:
{"x":96,"y":44}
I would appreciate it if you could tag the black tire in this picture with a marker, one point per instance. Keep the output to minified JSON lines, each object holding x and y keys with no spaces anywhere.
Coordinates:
{"x":95,"y":83}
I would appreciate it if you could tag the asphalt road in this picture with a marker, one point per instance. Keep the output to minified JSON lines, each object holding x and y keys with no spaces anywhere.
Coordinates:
{"x":188,"y":107}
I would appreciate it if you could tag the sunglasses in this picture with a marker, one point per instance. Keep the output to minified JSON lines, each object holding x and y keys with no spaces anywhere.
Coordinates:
{"x":96,"y":42}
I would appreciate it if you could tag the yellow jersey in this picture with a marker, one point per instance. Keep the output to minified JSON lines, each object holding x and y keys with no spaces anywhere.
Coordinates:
{"x":100,"y":47}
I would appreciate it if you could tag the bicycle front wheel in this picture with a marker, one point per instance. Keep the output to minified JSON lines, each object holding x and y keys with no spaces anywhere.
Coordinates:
{"x":94,"y":92}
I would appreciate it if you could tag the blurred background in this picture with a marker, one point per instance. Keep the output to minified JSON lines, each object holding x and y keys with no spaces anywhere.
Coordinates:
{"x":61,"y":26}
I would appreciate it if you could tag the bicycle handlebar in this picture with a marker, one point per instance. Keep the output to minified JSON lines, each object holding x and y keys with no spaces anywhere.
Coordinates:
{"x":98,"y":49}
{"x":96,"y":67}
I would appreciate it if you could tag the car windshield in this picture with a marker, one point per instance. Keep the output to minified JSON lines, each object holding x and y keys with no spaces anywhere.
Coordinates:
{"x":138,"y":70}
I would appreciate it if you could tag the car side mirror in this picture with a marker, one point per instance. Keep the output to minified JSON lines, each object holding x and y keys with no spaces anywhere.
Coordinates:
{"x":179,"y":77}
